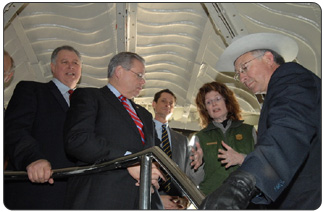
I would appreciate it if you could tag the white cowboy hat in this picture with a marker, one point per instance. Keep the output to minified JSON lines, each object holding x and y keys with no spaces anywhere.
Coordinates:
{"x":281,"y":44}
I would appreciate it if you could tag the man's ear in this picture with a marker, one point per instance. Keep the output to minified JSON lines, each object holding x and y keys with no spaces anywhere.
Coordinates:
{"x":153,"y":105}
{"x":119,"y":72}
{"x":268,"y":56}
{"x":52,"y":67}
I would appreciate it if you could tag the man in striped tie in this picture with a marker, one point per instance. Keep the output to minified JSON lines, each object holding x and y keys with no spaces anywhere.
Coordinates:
{"x":104,"y":124}
{"x":176,"y":146}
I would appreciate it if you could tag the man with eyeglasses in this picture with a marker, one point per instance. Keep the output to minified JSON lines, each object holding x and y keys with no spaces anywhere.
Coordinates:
{"x":104,"y":124}
{"x":284,"y":170}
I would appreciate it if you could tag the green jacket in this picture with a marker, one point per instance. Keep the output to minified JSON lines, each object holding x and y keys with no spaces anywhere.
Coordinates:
{"x":238,"y":136}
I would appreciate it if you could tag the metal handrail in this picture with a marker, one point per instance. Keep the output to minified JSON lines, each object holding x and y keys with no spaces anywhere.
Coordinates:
{"x":144,"y":158}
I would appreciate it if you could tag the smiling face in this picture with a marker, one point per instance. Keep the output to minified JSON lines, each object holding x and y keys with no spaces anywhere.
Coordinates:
{"x":216,"y":106}
{"x":67,"y":68}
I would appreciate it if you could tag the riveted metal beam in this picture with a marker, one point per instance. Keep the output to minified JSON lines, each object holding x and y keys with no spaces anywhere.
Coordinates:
{"x":10,"y":11}
{"x":121,"y":15}
{"x":131,"y":38}
{"x":227,"y":20}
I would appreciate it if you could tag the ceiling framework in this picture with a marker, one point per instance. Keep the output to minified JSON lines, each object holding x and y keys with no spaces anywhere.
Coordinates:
{"x":180,"y":42}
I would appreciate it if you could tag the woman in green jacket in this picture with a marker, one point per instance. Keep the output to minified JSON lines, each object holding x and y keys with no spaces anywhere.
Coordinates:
{"x":224,"y":139}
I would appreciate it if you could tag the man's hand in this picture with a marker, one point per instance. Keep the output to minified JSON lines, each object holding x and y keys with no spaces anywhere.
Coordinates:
{"x":40,"y":171}
{"x":168,"y":202}
{"x":174,"y":202}
{"x":197,"y":156}
{"x":135,"y":172}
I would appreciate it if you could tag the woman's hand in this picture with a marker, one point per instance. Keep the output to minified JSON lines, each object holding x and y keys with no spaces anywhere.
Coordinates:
{"x":197,"y":156}
{"x":229,"y":156}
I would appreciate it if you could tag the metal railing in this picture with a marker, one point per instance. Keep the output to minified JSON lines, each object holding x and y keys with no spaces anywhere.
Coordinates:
{"x":144,"y":158}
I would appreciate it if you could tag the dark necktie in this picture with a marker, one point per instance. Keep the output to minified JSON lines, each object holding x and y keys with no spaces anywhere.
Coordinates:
{"x":137,"y":121}
{"x":165,"y":145}
{"x":165,"y":141}
{"x":70,"y":92}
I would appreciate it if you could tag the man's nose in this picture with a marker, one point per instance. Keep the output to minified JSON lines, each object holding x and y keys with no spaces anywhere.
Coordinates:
{"x":243,"y":77}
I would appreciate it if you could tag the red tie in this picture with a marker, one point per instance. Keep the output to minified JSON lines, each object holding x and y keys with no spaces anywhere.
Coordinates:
{"x":70,"y":92}
{"x":137,"y":121}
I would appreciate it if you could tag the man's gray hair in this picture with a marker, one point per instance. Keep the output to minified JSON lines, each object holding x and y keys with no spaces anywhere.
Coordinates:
{"x":277,"y":57}
{"x":124,"y":59}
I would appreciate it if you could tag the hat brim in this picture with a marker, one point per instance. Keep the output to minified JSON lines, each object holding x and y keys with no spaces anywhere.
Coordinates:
{"x":281,"y":44}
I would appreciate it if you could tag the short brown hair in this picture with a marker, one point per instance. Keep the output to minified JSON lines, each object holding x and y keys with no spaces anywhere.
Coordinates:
{"x":158,"y":94}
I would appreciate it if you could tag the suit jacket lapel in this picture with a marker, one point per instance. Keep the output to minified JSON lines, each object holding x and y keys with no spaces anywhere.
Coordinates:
{"x":114,"y":101}
{"x":174,"y":146}
{"x":58,"y":96}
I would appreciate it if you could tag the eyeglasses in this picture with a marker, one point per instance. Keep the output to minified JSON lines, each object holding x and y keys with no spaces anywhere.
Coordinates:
{"x":215,"y":100}
{"x":139,"y":75}
{"x":243,"y":68}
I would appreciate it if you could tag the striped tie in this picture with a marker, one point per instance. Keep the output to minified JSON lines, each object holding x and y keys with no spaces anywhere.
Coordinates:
{"x":165,"y":145}
{"x":165,"y":141}
{"x":137,"y":121}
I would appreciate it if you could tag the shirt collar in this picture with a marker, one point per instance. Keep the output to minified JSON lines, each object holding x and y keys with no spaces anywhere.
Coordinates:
{"x":159,"y":124}
{"x":113,"y":90}
{"x":62,"y":88}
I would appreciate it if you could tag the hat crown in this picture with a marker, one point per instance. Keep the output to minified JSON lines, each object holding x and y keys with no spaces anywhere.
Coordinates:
{"x":283,"y":45}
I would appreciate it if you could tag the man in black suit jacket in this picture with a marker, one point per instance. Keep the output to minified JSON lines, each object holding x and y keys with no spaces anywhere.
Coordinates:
{"x":99,"y":128}
{"x":284,"y":170}
{"x":188,"y":159}
{"x":33,"y":134}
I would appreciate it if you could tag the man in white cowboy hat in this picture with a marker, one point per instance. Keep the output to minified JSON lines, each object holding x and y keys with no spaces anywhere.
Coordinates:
{"x":284,"y":170}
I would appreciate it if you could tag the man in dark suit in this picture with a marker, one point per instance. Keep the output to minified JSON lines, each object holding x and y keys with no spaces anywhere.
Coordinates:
{"x":284,"y":170}
{"x":187,"y":158}
{"x":100,"y":127}
{"x":33,"y":134}
{"x":8,"y":73}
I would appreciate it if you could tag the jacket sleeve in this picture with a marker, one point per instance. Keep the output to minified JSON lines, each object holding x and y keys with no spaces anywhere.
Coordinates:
{"x":19,"y":143}
{"x":80,"y":139}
